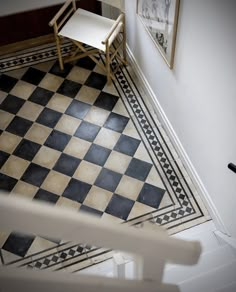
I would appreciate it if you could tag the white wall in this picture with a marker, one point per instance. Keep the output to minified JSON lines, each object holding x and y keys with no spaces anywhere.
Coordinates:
{"x":199,"y":95}
{"x":15,"y":6}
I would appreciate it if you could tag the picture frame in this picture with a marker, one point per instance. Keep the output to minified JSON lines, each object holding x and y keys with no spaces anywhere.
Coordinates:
{"x":160,"y":18}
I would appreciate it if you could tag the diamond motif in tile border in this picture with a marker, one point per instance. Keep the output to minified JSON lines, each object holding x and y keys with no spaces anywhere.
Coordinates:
{"x":144,"y":123}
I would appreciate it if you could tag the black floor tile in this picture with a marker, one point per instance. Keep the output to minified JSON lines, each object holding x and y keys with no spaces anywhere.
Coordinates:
{"x":19,"y":126}
{"x":127,"y":145}
{"x":116,"y":122}
{"x":86,"y":63}
{"x":7,"y":183}
{"x":33,"y":76}
{"x":138,"y":169}
{"x":96,"y":80}
{"x":7,"y":83}
{"x":69,"y":88}
{"x":90,"y":211}
{"x":49,"y":117}
{"x":41,"y":96}
{"x":3,"y":157}
{"x":151,"y":195}
{"x":78,"y":109}
{"x":119,"y":206}
{"x":67,"y":164}
{"x":18,"y":244}
{"x":57,"y":140}
{"x":77,"y":190}
{"x":46,"y":196}
{"x":106,"y":101}
{"x":108,"y":180}
{"x":27,"y":149}
{"x":62,"y":73}
{"x":97,"y":154}
{"x":87,"y":131}
{"x":35,"y":174}
{"x":12,"y":104}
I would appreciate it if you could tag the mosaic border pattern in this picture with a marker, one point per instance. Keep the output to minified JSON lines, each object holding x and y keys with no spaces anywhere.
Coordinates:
{"x":184,"y":208}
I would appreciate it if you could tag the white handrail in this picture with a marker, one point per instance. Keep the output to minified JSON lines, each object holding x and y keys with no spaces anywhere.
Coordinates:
{"x":155,"y":247}
{"x":15,"y":280}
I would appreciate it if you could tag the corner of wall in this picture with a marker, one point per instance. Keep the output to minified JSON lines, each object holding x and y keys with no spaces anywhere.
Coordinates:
{"x":177,"y":144}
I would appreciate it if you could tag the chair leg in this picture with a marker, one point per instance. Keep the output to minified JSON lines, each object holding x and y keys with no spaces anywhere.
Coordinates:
{"x":108,"y":69}
{"x":59,"y":53}
{"x":124,"y":41}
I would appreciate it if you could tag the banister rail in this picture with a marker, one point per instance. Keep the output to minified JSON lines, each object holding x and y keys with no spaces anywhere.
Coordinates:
{"x":155,"y":247}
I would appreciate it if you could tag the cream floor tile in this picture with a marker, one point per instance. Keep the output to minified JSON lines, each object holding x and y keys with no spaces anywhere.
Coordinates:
{"x":17,"y":73}
{"x":23,"y":89}
{"x":45,"y":66}
{"x":40,"y":244}
{"x":78,"y":74}
{"x":87,"y":94}
{"x":120,"y":109}
{"x":77,"y":147}
{"x":8,"y":142}
{"x":154,"y":178}
{"x":87,"y":172}
{"x":107,"y":138}
{"x":55,"y":182}
{"x":3,"y":237}
{"x":15,"y":167}
{"x":59,"y":102}
{"x":30,"y":111}
{"x":111,"y":219}
{"x":3,"y":95}
{"x":118,"y":162}
{"x":110,"y":88}
{"x":98,"y":198}
{"x":99,"y":70}
{"x":129,"y":187}
{"x":9,"y":257}
{"x":38,"y":133}
{"x":68,"y":124}
{"x":5,"y":119}
{"x":166,"y":201}
{"x":97,"y":116}
{"x":142,"y":154}
{"x":131,"y":131}
{"x":51,"y":82}
{"x":24,"y":190}
{"x":68,"y":204}
{"x":47,"y":157}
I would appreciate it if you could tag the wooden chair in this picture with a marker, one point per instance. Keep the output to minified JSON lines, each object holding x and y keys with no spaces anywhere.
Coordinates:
{"x":91,"y":34}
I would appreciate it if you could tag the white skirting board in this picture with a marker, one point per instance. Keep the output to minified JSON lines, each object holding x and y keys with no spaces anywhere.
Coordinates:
{"x":177,"y":144}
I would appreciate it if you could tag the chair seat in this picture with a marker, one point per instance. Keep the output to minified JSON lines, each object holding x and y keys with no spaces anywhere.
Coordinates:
{"x":89,"y":28}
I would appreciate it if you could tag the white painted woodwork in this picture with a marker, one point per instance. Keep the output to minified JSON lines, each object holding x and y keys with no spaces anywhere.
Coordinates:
{"x":153,"y":248}
{"x":41,"y":218}
{"x":15,"y":280}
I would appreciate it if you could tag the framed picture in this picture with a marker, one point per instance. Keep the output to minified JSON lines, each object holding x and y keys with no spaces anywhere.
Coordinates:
{"x":160,"y":18}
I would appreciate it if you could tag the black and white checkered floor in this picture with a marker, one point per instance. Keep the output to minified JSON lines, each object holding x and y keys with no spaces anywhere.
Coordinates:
{"x":70,"y":139}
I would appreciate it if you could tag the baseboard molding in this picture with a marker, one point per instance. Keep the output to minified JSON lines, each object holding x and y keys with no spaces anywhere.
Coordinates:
{"x":177,"y":145}
{"x":30,"y":43}
{"x":230,"y":240}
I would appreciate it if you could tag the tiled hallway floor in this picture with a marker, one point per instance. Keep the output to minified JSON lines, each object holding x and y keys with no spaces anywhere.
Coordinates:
{"x":69,"y":139}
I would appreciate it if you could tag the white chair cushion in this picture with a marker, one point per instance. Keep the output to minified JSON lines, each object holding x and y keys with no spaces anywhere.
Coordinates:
{"x":89,"y":28}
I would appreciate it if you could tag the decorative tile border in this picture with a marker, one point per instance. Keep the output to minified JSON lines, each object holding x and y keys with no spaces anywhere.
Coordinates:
{"x":184,"y":208}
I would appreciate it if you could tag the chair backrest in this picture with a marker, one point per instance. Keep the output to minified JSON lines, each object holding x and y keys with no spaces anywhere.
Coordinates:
{"x":65,"y":12}
{"x":115,"y":3}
